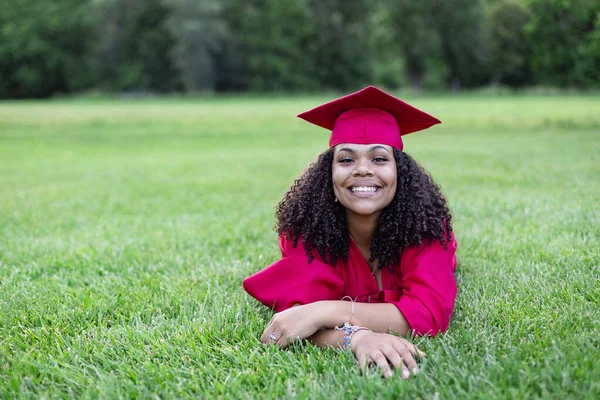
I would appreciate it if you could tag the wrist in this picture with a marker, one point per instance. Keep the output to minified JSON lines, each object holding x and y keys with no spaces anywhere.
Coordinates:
{"x":332,"y":313}
{"x":349,"y":331}
{"x":356,"y":337}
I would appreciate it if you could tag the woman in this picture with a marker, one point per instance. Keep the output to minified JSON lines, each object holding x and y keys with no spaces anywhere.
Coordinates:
{"x":364,"y":223}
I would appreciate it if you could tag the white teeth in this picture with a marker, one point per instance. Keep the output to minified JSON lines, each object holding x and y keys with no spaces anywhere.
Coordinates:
{"x":368,"y":189}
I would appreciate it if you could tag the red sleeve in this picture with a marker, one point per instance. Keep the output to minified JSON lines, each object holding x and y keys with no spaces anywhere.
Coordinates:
{"x":293,"y":280}
{"x":429,"y":287}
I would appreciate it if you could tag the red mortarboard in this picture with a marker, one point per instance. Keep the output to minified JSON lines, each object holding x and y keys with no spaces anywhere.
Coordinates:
{"x":369,"y":116}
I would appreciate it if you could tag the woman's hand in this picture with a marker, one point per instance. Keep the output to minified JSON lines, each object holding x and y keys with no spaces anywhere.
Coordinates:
{"x":385,"y":349}
{"x":293,"y":324}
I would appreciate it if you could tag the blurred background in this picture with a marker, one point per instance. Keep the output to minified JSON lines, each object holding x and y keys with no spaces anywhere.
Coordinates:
{"x":139,"y":47}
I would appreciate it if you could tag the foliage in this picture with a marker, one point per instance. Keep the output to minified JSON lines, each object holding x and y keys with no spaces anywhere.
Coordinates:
{"x":417,"y":38}
{"x":388,"y":63}
{"x":565,"y":39}
{"x":510,"y":50}
{"x":342,"y":56}
{"x":43,"y":47}
{"x":272,"y":37}
{"x":67,"y":46}
{"x":133,"y":45}
{"x":462,"y":26}
{"x":209,"y":44}
{"x":126,"y":228}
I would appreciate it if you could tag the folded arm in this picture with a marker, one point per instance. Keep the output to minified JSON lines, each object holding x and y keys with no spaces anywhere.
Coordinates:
{"x":379,"y":317}
{"x":303,"y":321}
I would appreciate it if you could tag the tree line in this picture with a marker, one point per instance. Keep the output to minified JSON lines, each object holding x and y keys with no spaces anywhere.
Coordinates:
{"x":70,"y":46}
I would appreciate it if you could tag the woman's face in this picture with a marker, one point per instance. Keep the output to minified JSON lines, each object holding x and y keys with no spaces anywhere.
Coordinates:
{"x":364,"y":177}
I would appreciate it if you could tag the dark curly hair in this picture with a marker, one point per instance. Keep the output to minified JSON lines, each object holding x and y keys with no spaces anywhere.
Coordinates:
{"x":419,"y":212}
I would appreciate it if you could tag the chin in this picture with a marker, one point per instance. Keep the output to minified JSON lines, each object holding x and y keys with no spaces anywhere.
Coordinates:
{"x":364,"y":210}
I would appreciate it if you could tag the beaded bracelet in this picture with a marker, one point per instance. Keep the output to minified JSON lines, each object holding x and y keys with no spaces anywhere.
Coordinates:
{"x":349,"y":330}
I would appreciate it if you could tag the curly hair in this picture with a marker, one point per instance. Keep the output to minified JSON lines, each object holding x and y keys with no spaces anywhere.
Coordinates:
{"x":418,"y":212}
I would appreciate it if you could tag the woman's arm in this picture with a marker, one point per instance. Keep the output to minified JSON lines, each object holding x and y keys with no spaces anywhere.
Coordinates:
{"x":315,"y":322}
{"x":379,"y":317}
{"x":387,"y":351}
{"x":301,"y":322}
{"x":327,"y":338}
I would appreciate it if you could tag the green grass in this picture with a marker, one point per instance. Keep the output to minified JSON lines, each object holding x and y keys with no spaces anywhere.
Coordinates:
{"x":126,"y":228}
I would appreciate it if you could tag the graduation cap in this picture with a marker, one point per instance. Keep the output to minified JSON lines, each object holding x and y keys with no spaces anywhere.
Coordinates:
{"x":369,"y":116}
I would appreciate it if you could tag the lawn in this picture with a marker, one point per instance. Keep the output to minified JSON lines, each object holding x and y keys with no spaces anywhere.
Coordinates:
{"x":127,"y":226}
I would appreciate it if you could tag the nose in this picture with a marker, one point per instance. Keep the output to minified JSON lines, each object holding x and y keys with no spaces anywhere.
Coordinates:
{"x":361,"y":168}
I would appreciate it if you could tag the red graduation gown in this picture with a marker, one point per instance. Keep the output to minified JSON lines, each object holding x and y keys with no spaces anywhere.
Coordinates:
{"x":422,"y":286}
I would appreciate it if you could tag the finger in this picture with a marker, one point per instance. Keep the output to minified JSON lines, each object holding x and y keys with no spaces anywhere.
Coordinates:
{"x":405,"y":374}
{"x":363,"y":362}
{"x":266,"y":336}
{"x":290,"y":340}
{"x":408,"y":359}
{"x":268,"y":329}
{"x":383,"y":365}
{"x":414,"y":350}
{"x":411,"y":347}
{"x":271,"y":337}
{"x":393,"y":356}
{"x":282,"y":341}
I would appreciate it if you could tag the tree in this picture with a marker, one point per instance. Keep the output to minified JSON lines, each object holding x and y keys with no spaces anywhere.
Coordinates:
{"x":274,"y":40}
{"x":462,"y":26}
{"x":133,"y":45}
{"x":442,"y":42}
{"x":564,"y":38}
{"x":200,"y":32}
{"x":511,"y":52}
{"x":44,"y":48}
{"x":341,"y":47}
{"x":414,"y":29}
{"x":387,"y":61}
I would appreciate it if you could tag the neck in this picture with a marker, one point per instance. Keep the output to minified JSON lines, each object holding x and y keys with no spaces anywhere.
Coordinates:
{"x":362,"y":228}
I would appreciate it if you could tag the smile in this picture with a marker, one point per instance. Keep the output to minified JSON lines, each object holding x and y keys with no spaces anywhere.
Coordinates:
{"x":364,"y":189}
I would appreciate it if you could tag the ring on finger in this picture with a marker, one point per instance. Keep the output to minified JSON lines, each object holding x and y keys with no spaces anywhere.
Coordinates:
{"x":272,"y":336}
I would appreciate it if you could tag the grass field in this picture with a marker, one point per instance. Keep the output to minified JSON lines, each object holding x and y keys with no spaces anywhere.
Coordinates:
{"x":126,"y":228}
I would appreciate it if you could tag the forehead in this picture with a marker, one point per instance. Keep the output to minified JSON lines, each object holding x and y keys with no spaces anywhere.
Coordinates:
{"x":363,"y":147}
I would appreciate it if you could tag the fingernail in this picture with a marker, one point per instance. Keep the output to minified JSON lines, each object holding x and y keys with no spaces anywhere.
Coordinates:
{"x":405,"y":374}
{"x":389,"y":374}
{"x":415,"y":370}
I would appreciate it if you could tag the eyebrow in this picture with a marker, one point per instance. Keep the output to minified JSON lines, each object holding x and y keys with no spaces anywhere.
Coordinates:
{"x":349,"y":150}
{"x":378,"y":147}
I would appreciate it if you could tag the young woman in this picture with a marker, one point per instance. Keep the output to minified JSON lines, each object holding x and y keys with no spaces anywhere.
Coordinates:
{"x":368,"y":252}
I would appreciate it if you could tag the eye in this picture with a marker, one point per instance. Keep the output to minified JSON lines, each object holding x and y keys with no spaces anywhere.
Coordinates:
{"x":380,"y":159}
{"x":345,"y":160}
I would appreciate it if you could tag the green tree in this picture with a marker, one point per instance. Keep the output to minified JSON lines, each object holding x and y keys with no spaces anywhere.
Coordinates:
{"x":201,"y":44}
{"x":387,"y":61}
{"x":463,"y":30}
{"x":588,"y":65}
{"x":443,"y":43}
{"x":511,"y":52}
{"x":133,"y":45}
{"x":44,"y":48}
{"x":564,"y":39}
{"x":416,"y":36}
{"x":341,"y":48}
{"x":273,"y":39}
